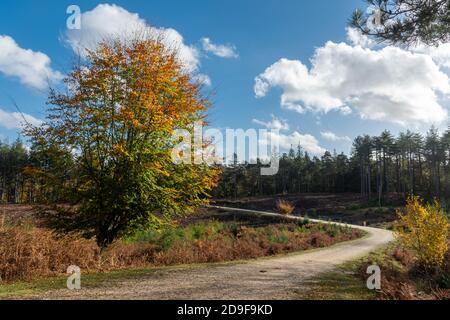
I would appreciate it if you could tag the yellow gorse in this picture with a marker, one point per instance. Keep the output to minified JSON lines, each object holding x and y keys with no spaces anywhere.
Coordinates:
{"x":424,"y":230}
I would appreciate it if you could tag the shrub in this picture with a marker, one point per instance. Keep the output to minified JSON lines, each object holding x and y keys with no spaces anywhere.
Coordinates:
{"x":424,"y":230}
{"x":333,"y":230}
{"x":27,"y":253}
{"x":444,"y":281}
{"x":285,"y":207}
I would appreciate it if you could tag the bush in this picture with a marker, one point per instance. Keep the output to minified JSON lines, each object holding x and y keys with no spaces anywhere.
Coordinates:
{"x":285,"y":207}
{"x":424,"y":230}
{"x":31,"y":252}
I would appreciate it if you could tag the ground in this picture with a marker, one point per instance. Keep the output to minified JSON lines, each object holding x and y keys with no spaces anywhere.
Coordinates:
{"x":346,"y":207}
{"x":282,"y":277}
{"x":292,"y":276}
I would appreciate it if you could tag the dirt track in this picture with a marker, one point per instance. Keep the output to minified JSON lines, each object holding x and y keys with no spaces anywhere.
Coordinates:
{"x":270,"y":278}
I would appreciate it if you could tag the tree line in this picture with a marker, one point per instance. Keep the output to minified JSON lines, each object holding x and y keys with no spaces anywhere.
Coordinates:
{"x":34,"y":175}
{"x":410,"y":163}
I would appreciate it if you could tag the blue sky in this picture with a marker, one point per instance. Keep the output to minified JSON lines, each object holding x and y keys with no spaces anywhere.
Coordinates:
{"x":323,"y":104}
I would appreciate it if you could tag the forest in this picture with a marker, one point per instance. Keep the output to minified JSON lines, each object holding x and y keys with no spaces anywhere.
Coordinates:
{"x":35,"y":174}
{"x":407,"y":164}
{"x":410,"y":163}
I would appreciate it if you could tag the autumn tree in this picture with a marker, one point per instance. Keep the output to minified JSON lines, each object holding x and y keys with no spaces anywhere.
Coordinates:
{"x":117,"y":117}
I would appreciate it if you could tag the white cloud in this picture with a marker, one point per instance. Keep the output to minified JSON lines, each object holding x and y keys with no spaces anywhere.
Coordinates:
{"x":220,"y":50}
{"x":331,"y":136}
{"x":204,"y":79}
{"x":439,"y":54}
{"x":389,"y":84}
{"x":275,"y":123}
{"x":109,"y":21}
{"x":16,"y":120}
{"x":286,"y":141}
{"x":30,"y":67}
{"x":358,"y":39}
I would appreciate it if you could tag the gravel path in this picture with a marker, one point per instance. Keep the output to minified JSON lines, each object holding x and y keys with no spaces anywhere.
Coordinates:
{"x":281,"y":277}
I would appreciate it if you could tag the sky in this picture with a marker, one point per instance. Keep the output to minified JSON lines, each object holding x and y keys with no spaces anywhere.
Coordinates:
{"x":289,"y":65}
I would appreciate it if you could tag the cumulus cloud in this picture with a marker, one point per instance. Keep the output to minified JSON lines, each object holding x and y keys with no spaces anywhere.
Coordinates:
{"x":204,"y":79}
{"x":358,"y":39}
{"x":275,"y":123}
{"x":286,"y":141}
{"x":388,"y":84}
{"x":331,"y":136}
{"x":30,"y":67}
{"x":220,"y":50}
{"x":439,"y":54}
{"x":16,"y":120}
{"x":109,"y":21}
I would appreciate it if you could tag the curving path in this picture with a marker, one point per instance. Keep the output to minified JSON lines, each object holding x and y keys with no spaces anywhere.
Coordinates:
{"x":269,"y":278}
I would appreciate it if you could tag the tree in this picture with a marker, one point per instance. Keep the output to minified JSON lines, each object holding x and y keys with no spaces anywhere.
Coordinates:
{"x":406,"y":21}
{"x":12,"y":181}
{"x":424,"y":230}
{"x":118,"y":116}
{"x":434,"y":154}
{"x":363,"y":146}
{"x":50,"y":170}
{"x":445,"y":141}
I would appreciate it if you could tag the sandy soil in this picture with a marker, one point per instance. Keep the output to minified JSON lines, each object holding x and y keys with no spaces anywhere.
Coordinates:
{"x":282,"y":277}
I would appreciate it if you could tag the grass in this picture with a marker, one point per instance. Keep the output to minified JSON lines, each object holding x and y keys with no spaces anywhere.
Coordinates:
{"x":344,"y":283}
{"x":400,"y":279}
{"x":285,"y":207}
{"x":167,"y":237}
{"x":338,"y":285}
